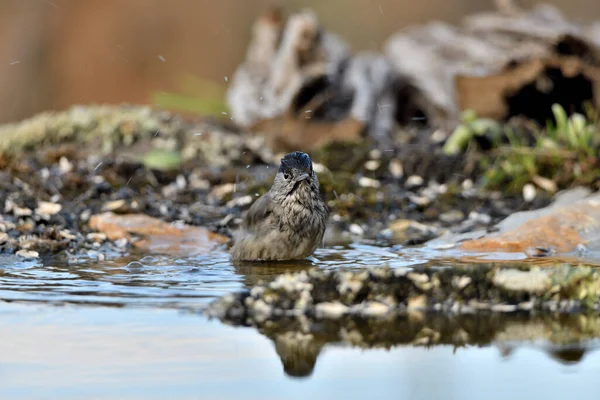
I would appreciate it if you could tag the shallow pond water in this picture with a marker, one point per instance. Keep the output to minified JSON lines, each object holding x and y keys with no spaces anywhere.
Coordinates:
{"x":130,"y":329}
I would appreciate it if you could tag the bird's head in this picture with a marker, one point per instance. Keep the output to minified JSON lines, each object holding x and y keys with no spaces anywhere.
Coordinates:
{"x":296,"y":169}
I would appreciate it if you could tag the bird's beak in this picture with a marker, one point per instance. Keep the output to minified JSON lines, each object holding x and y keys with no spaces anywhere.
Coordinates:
{"x":302,"y":177}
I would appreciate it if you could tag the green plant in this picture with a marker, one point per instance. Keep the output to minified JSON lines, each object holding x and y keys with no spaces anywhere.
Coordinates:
{"x":565,"y":151}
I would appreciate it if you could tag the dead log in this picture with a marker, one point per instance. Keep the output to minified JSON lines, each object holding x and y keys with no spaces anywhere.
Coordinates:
{"x":301,"y":87}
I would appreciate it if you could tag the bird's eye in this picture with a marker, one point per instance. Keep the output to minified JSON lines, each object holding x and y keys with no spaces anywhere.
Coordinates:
{"x":286,"y":176}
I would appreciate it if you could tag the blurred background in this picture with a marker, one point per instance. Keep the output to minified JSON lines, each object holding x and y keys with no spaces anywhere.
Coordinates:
{"x":55,"y":53}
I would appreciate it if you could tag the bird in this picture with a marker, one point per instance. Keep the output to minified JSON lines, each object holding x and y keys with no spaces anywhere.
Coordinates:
{"x":288,"y":222}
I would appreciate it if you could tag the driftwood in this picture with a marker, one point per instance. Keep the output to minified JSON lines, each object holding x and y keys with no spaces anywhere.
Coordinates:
{"x":301,"y":86}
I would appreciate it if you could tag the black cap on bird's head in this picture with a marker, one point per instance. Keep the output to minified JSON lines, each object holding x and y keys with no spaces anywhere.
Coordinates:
{"x":296,"y":161}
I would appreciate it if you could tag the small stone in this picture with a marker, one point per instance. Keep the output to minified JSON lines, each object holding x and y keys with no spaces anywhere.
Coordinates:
{"x":396,"y":168}
{"x":197,"y":183}
{"x":64,"y":165}
{"x":467,"y":184}
{"x":331,"y":310}
{"x":418,"y":278}
{"x":85,"y":215}
{"x":356,"y":229}
{"x":529,"y":193}
{"x":369,"y":182}
{"x":96,"y":237}
{"x":452,"y":217}
{"x":414,"y":181}
{"x":3,"y":237}
{"x":375,"y":154}
{"x":404,"y":230}
{"x":240,"y":201}
{"x":28,"y":254}
{"x":372,"y":165}
{"x":545,"y":184}
{"x":533,"y":281}
{"x":421,"y":201}
{"x":417,"y":302}
{"x":114,"y":205}
{"x":461,"y":282}
{"x":480,"y":218}
{"x":504,"y":308}
{"x":219,"y":192}
{"x":438,"y":136}
{"x":373,"y":309}
{"x":47,"y":209}
{"x":121,"y":243}
{"x":66,"y":234}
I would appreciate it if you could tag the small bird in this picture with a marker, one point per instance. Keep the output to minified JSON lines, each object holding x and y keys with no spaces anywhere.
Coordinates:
{"x":287,"y":222}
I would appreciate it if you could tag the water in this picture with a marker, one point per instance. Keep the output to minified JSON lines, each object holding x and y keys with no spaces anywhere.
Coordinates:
{"x":127,"y":329}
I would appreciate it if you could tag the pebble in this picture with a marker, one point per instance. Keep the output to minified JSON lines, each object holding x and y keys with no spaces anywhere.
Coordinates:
{"x":461,"y":282}
{"x":480,"y":218}
{"x":240,"y":201}
{"x":452,"y":217}
{"x":371,"y":309}
{"x":28,"y":254}
{"x":221,"y":191}
{"x":121,"y":243}
{"x":66,"y":234}
{"x":3,"y":237}
{"x":369,"y":182}
{"x":529,"y":193}
{"x":545,"y":184}
{"x":467,"y":184}
{"x":417,"y":302}
{"x":114,"y":205}
{"x":372,"y":165}
{"x":375,"y":154}
{"x":47,"y":209}
{"x":331,"y":310}
{"x":504,"y":308}
{"x":356,"y":229}
{"x":396,"y":169}
{"x":64,"y":165}
{"x":413,"y":181}
{"x":421,"y":201}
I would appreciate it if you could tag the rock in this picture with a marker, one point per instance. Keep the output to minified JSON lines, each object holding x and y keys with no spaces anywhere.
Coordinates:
{"x":417,"y":302}
{"x":535,"y":281}
{"x":396,"y":168}
{"x":372,"y":309}
{"x":357,"y":230}
{"x":452,"y":217}
{"x":404,"y":230}
{"x":561,"y":227}
{"x":219,"y":192}
{"x":331,"y":310}
{"x":115,"y":205}
{"x":544,"y":183}
{"x":66,"y":234}
{"x":28,"y":254}
{"x":372,"y":165}
{"x":414,"y":181}
{"x":155,"y":235}
{"x":3,"y":237}
{"x":529,"y":193}
{"x":46,"y":209}
{"x":369,"y":182}
{"x":96,"y":237}
{"x":241,"y":201}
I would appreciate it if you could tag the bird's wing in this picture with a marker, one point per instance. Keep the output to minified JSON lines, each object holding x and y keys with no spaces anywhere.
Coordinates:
{"x":258,"y":212}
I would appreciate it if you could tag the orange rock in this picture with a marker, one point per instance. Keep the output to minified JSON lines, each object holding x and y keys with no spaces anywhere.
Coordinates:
{"x":562,"y":230}
{"x":155,"y":235}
